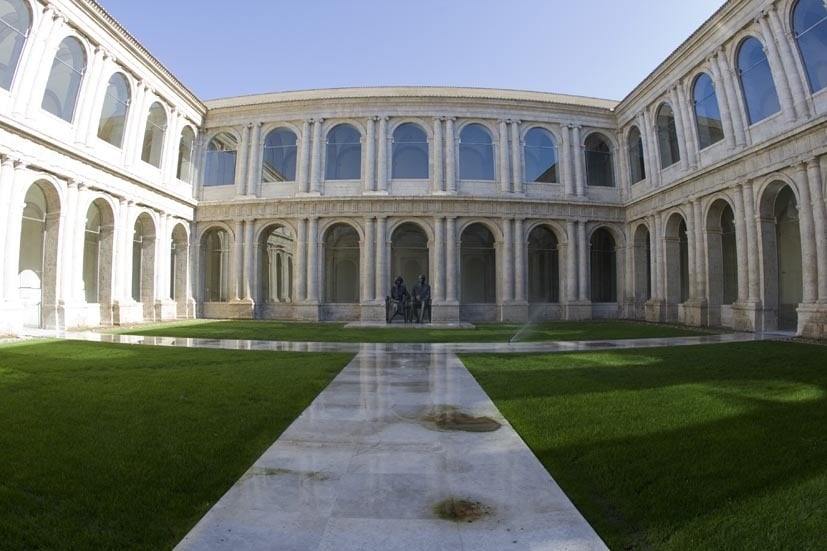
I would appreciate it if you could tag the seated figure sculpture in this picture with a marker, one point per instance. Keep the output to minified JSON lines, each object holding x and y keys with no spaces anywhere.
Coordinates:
{"x":421,"y":300}
{"x":398,"y":303}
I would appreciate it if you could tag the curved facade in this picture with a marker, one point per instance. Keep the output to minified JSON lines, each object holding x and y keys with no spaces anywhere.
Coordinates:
{"x":699,"y":198}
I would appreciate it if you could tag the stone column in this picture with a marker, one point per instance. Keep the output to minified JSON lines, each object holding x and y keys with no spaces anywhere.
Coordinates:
{"x":798,"y":90}
{"x":13,"y":230}
{"x":135,"y":124}
{"x":436,"y":156}
{"x":733,"y":106}
{"x":519,"y":261}
{"x":450,"y":156}
{"x":6,"y":191}
{"x":382,"y":163}
{"x":571,"y":261}
{"x":253,"y":177}
{"x":300,"y":272}
{"x":127,"y":224}
{"x":741,"y":244}
{"x":33,"y":60}
{"x":751,"y":221}
{"x":680,"y":128}
{"x":516,"y":158}
{"x":644,"y":144}
{"x":370,"y":155}
{"x":579,"y":160}
{"x":687,"y":114}
{"x":502,"y":157}
{"x":236,"y":269}
{"x":658,"y":269}
{"x":722,"y":95}
{"x":506,"y":263}
{"x":583,"y":260}
{"x":650,"y":139}
{"x":814,"y":178}
{"x":313,"y":260}
{"x":624,"y":183}
{"x":567,"y":176}
{"x":809,"y":261}
{"x":368,"y":258}
{"x":438,"y":279}
{"x":777,"y":67}
{"x":241,"y":160}
{"x":383,"y":275}
{"x":696,"y":251}
{"x":316,"y":158}
{"x":451,"y":260}
{"x":85,"y":116}
{"x":70,"y":259}
{"x":249,"y":271}
{"x":304,"y":158}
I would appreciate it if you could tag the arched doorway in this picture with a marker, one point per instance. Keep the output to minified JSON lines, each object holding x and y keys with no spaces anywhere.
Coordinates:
{"x":478,"y":266}
{"x":215,"y":269}
{"x":37,"y":262}
{"x":98,"y":239}
{"x":677,"y":265}
{"x":341,"y":265}
{"x":178,"y":270}
{"x":722,"y":265}
{"x":277,"y":248}
{"x":543,"y":266}
{"x":642,"y":268}
{"x":143,"y":264}
{"x":409,"y":254}
{"x":603,"y":257}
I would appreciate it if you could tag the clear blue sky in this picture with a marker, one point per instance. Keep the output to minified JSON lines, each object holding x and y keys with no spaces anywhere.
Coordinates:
{"x":600,"y":48}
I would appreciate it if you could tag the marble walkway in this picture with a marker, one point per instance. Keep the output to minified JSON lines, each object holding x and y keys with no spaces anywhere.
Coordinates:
{"x":403,"y":436}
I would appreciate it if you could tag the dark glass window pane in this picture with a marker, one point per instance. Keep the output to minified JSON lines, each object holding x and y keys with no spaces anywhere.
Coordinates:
{"x":810,"y":28}
{"x":156,"y":127}
{"x":540,"y":156}
{"x":410,"y":152}
{"x":599,"y":169}
{"x":757,"y":85}
{"x":543,"y":266}
{"x":185,"y":148}
{"x":279,"y":163}
{"x":220,"y":161}
{"x":707,"y":114}
{"x":477,"y":265}
{"x":603,"y":267}
{"x":115,"y":107}
{"x":62,"y":88}
{"x":341,"y":258}
{"x":476,"y":153}
{"x":637,"y":169}
{"x":667,"y":136}
{"x":15,"y":21}
{"x":344,"y":154}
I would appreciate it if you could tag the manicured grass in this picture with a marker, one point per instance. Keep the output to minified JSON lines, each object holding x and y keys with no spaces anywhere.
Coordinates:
{"x":712,"y":447}
{"x":126,"y":447}
{"x":484,"y":332}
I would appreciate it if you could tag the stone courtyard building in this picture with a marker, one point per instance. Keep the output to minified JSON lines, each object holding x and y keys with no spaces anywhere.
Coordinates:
{"x":699,"y":198}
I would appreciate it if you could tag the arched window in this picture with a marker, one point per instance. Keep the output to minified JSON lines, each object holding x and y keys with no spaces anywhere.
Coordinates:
{"x":410,"y":152}
{"x":637,"y":167}
{"x":115,"y":107}
{"x":185,"y":147}
{"x":344,"y":153}
{"x":707,"y":113}
{"x":279,"y":163}
{"x":63,"y":85}
{"x":599,"y":169}
{"x":15,"y":21}
{"x":810,"y":29}
{"x":667,"y":136}
{"x":216,"y":258}
{"x":757,"y":84}
{"x":277,"y":248}
{"x":540,"y":153}
{"x":156,"y":127}
{"x":476,"y":153}
{"x":603,"y":267}
{"x":220,"y":160}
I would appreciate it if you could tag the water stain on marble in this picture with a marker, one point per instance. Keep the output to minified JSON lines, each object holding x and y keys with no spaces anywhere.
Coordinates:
{"x":461,"y":510}
{"x":452,"y":419}
{"x":268,"y":471}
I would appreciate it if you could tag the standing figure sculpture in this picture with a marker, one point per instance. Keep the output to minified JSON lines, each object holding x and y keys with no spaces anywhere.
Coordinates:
{"x":421,"y":300}
{"x":398,"y":301}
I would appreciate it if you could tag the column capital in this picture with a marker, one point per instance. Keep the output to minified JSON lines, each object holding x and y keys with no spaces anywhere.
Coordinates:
{"x":438,"y":118}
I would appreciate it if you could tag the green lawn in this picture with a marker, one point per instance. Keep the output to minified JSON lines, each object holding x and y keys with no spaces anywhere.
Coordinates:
{"x":713,"y":447}
{"x":484,"y":332}
{"x":126,"y":447}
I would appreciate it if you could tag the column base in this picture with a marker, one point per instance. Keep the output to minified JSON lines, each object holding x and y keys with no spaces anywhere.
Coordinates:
{"x":746,"y":316}
{"x":373,"y":311}
{"x":696,"y":313}
{"x":812,"y":321}
{"x":186,"y":309}
{"x":307,"y":311}
{"x":236,"y":309}
{"x":513,"y":311}
{"x":76,"y":315}
{"x":126,"y":312}
{"x":577,"y":310}
{"x":166,"y":310}
{"x":11,"y":318}
{"x":446,"y":312}
{"x":654,"y":311}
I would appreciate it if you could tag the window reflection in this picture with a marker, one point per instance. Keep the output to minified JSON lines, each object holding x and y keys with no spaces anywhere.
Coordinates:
{"x":279,"y":163}
{"x":757,"y":85}
{"x":707,"y":114}
{"x":476,"y":153}
{"x":540,"y":156}
{"x":344,"y":153}
{"x":410,"y":152}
